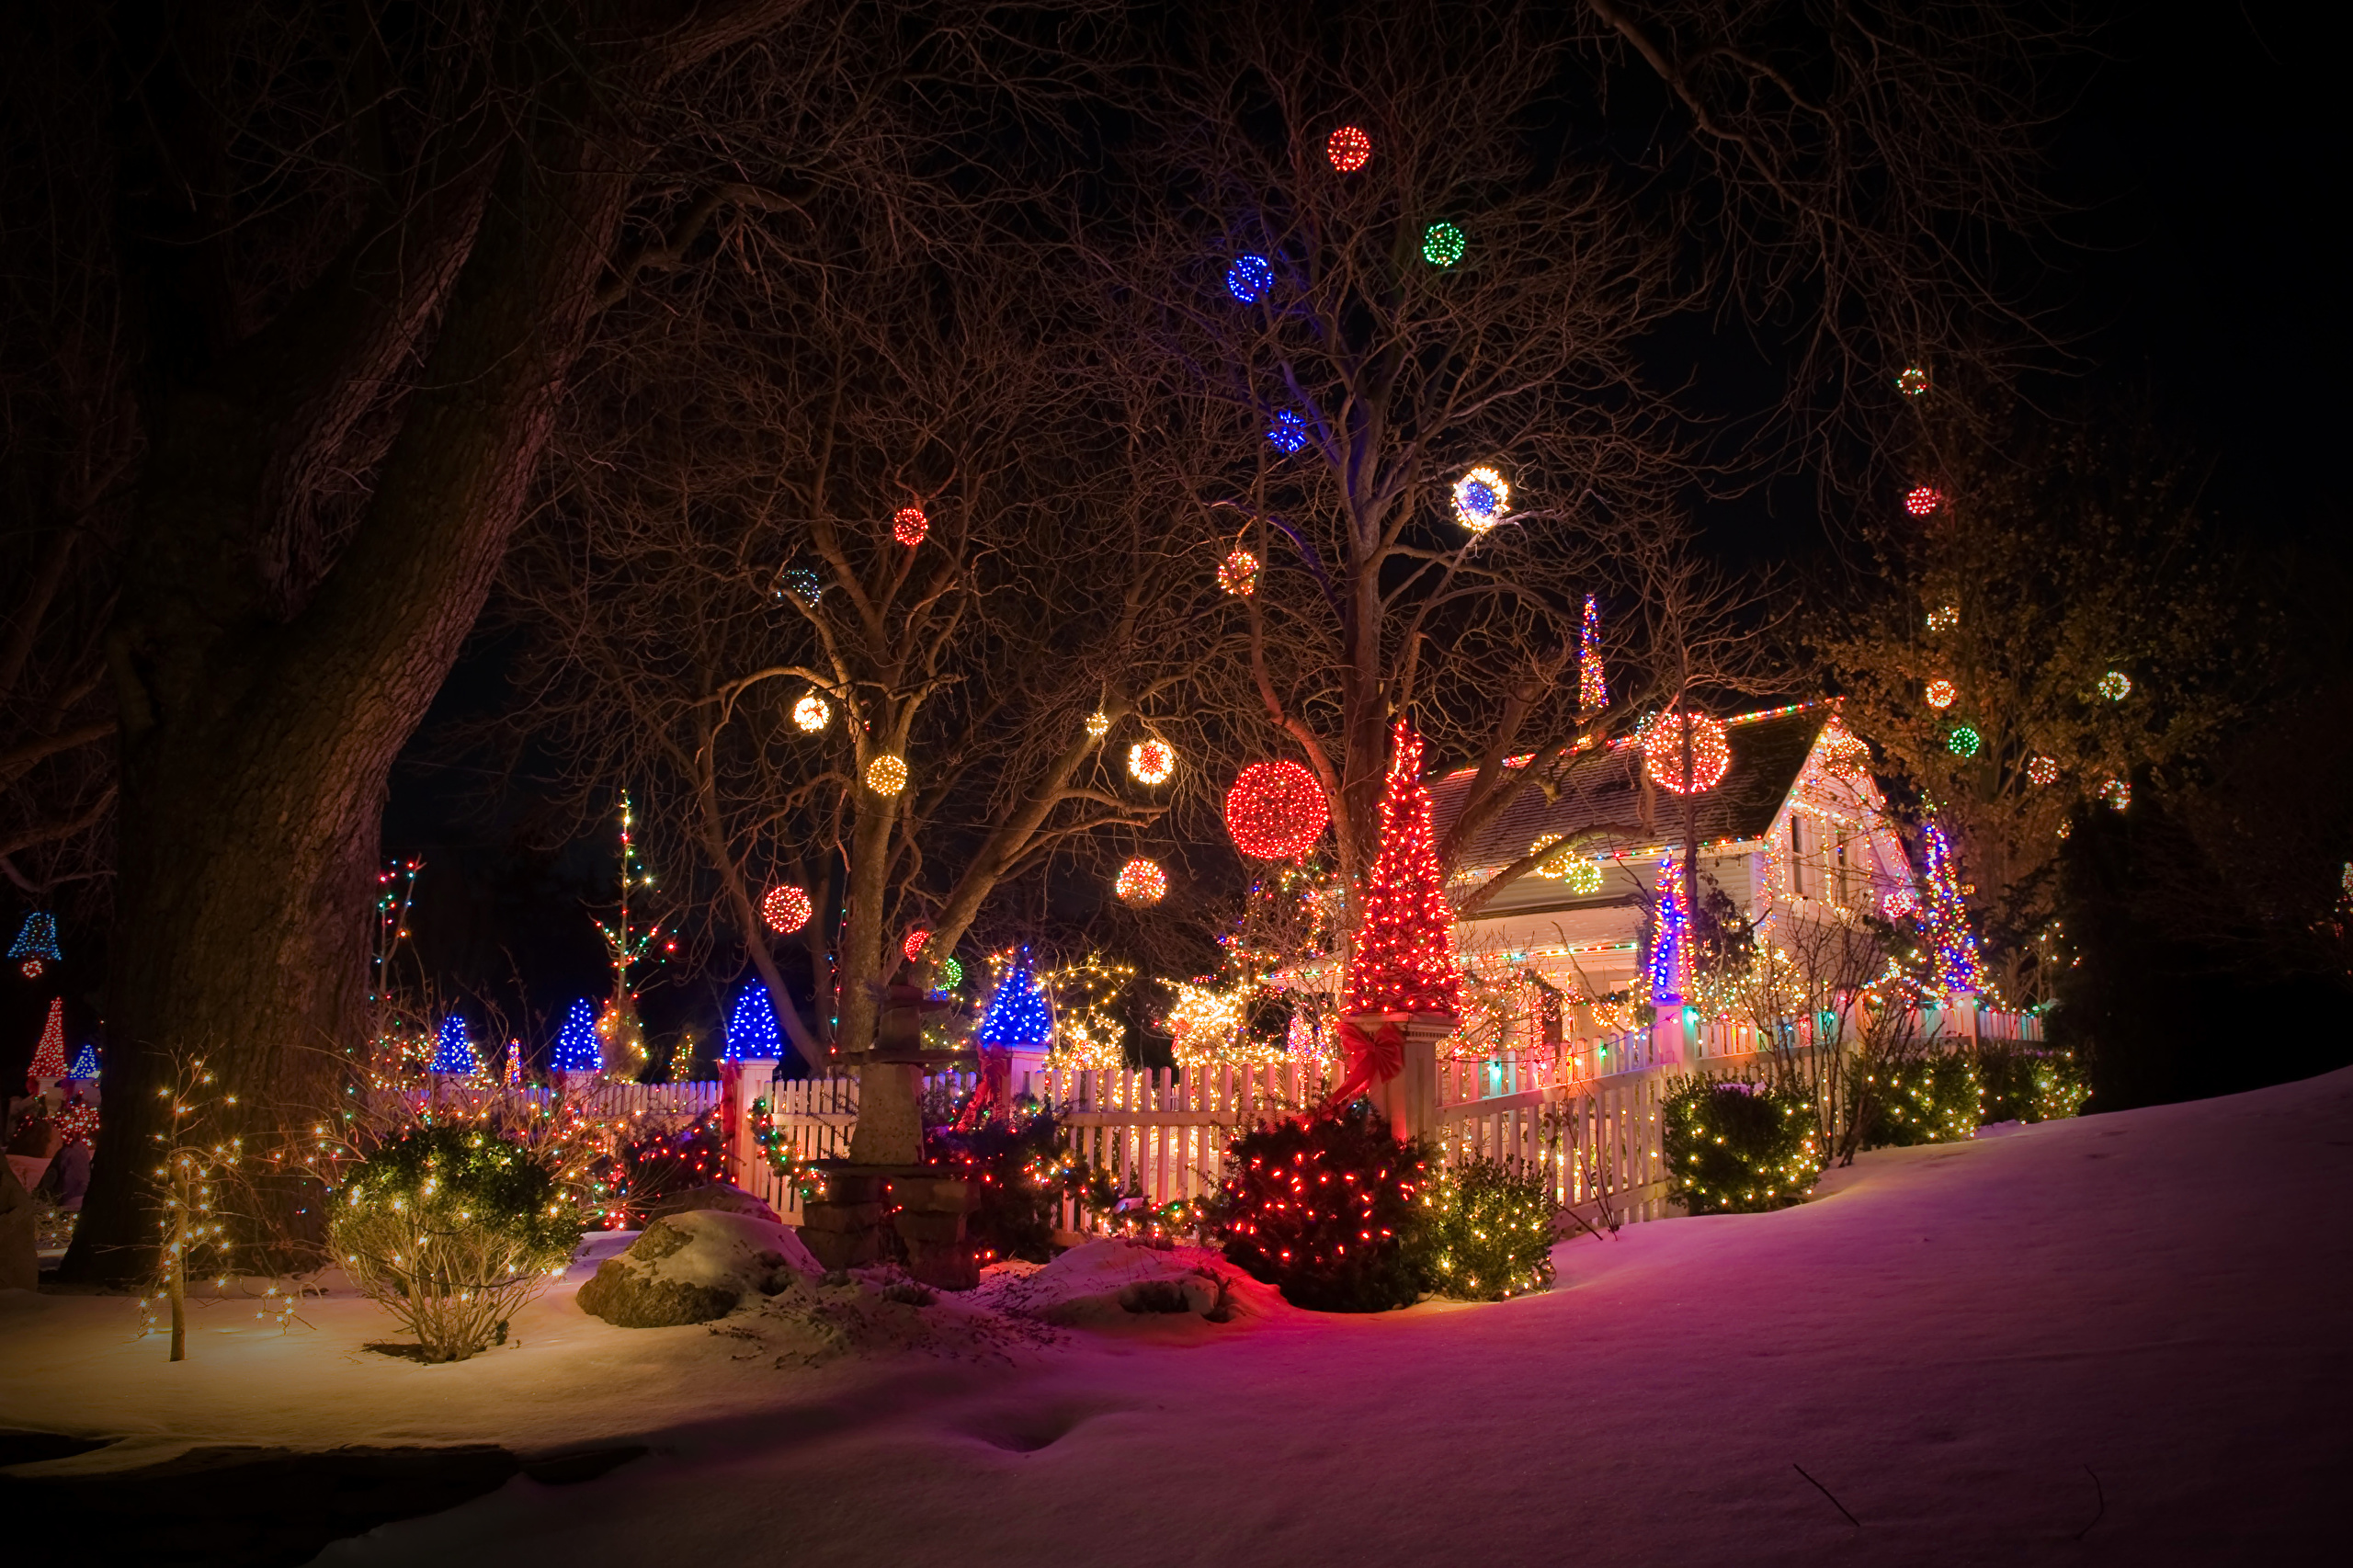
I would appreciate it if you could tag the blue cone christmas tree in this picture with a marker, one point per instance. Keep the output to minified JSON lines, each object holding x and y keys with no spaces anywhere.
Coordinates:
{"x":86,"y":1065}
{"x":1018,"y":1017}
{"x":576,"y":1044}
{"x":454,"y":1054}
{"x":751,"y":1027}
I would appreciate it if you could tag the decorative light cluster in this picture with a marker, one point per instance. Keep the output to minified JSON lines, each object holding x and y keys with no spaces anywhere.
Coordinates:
{"x":1249,"y":279}
{"x":1480,"y":498}
{"x":1944,"y":618}
{"x":1141,"y":883}
{"x":1944,"y":921}
{"x":49,"y":1056}
{"x":1018,"y":1017}
{"x":1845,"y":754}
{"x":1941,"y":693}
{"x":1276,"y":810}
{"x":949,"y":973}
{"x":1152,"y":762}
{"x":802,"y":583}
{"x":1319,"y":1207}
{"x":454,"y":1054}
{"x":2042,"y":769}
{"x":908,"y":526}
{"x":2116,"y":686}
{"x":1442,"y":244}
{"x":786,"y":909}
{"x":1670,"y":926}
{"x":36,"y":945}
{"x":887,"y":774}
{"x":813,"y":712}
{"x":1922,"y":500}
{"x":1581,"y":872}
{"x":1963,"y":740}
{"x":2117,"y":792}
{"x":1593,"y":687}
{"x":1349,"y":149}
{"x":1912,"y":381}
{"x":751,"y":1027}
{"x":1289,"y":432}
{"x":1899,"y":904}
{"x":1098,"y":724}
{"x":576,"y":1043}
{"x":1404,"y":960}
{"x":86,"y":1065}
{"x":1238,"y":574}
{"x":1663,"y":742}
{"x":914,"y":943}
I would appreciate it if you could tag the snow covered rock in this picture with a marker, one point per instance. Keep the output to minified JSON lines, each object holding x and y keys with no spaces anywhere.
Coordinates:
{"x":1112,"y":1284}
{"x":694,"y":1267}
{"x":715,"y":1195}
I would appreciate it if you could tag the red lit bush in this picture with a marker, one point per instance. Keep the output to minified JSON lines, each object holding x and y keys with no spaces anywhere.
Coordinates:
{"x":1330,"y":1210}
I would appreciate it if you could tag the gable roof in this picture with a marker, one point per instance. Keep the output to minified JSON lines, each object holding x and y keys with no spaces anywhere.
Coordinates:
{"x":1605,"y":788}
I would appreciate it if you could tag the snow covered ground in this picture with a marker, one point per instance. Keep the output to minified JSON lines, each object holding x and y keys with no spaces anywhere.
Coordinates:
{"x":2122,"y":1339}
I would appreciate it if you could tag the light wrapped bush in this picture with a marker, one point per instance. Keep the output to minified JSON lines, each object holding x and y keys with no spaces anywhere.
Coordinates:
{"x":1491,"y":1230}
{"x":1737,"y":1148}
{"x":451,"y":1230}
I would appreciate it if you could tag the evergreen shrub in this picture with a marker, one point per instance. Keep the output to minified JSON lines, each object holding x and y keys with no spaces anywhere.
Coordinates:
{"x":1490,"y":1231}
{"x":453,"y":1229}
{"x":1020,"y":1170}
{"x":1932,"y":1100}
{"x":1334,"y":1211}
{"x":2031,"y":1086}
{"x":1735,"y":1148}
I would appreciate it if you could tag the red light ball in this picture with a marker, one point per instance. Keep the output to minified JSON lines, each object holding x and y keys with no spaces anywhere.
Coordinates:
{"x":786,"y":909}
{"x":913,"y":947}
{"x":1349,"y":149}
{"x":1276,"y":810}
{"x":908,"y":526}
{"x":1923,"y":500}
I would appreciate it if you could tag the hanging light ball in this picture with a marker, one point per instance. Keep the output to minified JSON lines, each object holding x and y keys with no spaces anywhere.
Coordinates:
{"x":2117,"y":792}
{"x":1276,"y":810}
{"x":1583,"y":877}
{"x":1289,"y":432}
{"x":1923,"y":499}
{"x":1963,"y":741}
{"x":887,"y":775}
{"x":1480,"y":498}
{"x":908,"y":526}
{"x":1662,"y":742}
{"x":1349,"y":149}
{"x":813,"y":712}
{"x":1141,"y":883}
{"x":1249,"y":279}
{"x":2042,"y":769}
{"x":1238,"y":574}
{"x":1098,"y":724}
{"x":802,"y":583}
{"x":1944,"y":618}
{"x":1845,"y":754}
{"x":1899,"y":904}
{"x":916,"y":939}
{"x":786,"y":909}
{"x":1151,"y":761}
{"x":1912,"y":381}
{"x":2116,"y":686}
{"x":1941,"y":693}
{"x":1442,"y":244}
{"x":949,"y":974}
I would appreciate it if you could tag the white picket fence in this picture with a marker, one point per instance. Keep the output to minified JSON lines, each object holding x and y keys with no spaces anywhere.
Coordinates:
{"x":1589,"y":1116}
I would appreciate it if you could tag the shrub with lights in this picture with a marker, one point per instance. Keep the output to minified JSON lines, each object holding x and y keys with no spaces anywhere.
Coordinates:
{"x":1333,"y":1210}
{"x":1490,"y":1231}
{"x":2030,"y":1086}
{"x":1934,"y":1100}
{"x":451,"y":1229}
{"x":1019,"y":1171}
{"x":1737,"y":1148}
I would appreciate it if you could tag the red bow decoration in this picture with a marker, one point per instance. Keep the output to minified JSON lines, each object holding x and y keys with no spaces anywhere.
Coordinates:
{"x":1373,"y":1059}
{"x":994,"y":1092}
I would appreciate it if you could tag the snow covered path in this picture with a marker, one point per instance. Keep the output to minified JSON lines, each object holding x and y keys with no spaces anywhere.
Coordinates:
{"x":1952,"y":1341}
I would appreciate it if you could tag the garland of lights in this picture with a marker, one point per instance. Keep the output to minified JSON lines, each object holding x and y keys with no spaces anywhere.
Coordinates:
{"x":909,"y":525}
{"x":1592,"y":689}
{"x":1152,"y":762}
{"x":1249,"y":279}
{"x":786,"y":909}
{"x":1238,"y":574}
{"x":1442,"y":244}
{"x":1481,"y":496}
{"x":1663,"y":741}
{"x":813,"y":712}
{"x":49,"y":1056}
{"x":1349,"y":149}
{"x":1141,"y":883}
{"x":1276,"y":810}
{"x":887,"y":775}
{"x":36,"y":945}
{"x":1404,"y":960}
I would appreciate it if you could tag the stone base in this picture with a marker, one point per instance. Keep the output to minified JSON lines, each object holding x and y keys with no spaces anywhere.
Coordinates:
{"x":913,"y":1215}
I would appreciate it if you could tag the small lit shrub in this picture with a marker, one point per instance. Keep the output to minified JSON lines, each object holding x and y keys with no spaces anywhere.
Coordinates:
{"x":1490,"y":1231}
{"x":2031,"y":1086}
{"x":1333,"y":1210}
{"x":1020,"y":1172}
{"x":1737,"y":1148}
{"x":453,"y":1229}
{"x":1934,"y":1100}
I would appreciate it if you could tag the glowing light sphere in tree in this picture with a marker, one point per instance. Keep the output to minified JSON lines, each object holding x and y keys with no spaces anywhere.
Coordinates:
{"x":949,"y":974}
{"x":1276,"y":810}
{"x":786,"y":909}
{"x":1289,"y":432}
{"x":2042,"y":769}
{"x":1944,"y":618}
{"x":1912,"y":381}
{"x":1349,"y":149}
{"x":1963,"y":741}
{"x":2118,"y":793}
{"x":916,"y":940}
{"x":1844,"y":753}
{"x":1584,"y":877}
{"x":1098,"y":724}
{"x":1442,"y":244}
{"x":908,"y":526}
{"x":802,"y":583}
{"x":1663,"y":752}
{"x":1141,"y":883}
{"x":1238,"y":574}
{"x":1249,"y":279}
{"x":1922,"y":499}
{"x":887,"y":775}
{"x":1152,"y":762}
{"x":1941,"y":693}
{"x":2116,"y":686}
{"x":1899,"y":905}
{"x":813,"y":712}
{"x":1480,"y":498}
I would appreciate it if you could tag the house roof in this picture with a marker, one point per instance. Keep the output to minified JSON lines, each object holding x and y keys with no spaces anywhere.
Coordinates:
{"x":1605,"y":788}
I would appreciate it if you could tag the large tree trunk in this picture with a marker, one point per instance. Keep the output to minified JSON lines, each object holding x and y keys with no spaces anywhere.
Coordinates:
{"x":256,"y":748}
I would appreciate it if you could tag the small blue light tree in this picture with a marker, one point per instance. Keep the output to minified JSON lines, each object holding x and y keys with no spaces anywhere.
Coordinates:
{"x":455,"y":1053}
{"x":751,"y":1027}
{"x":1018,"y":1017}
{"x":576,"y":1043}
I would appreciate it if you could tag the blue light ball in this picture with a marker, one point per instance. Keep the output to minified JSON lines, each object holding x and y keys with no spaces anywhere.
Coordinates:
{"x":1479,"y":499}
{"x":1289,"y":432}
{"x":800,"y":582}
{"x":1249,"y":279}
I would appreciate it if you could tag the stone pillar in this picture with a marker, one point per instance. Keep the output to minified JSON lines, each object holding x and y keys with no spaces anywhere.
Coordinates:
{"x":889,"y":1115}
{"x":1410,"y":1099}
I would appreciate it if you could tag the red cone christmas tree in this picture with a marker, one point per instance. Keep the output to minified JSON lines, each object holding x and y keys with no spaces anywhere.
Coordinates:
{"x":1405,"y":953}
{"x":49,"y":1056}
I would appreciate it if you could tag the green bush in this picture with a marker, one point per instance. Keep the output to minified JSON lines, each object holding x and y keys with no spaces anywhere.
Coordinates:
{"x":451,"y":1230}
{"x":1932,"y":1100}
{"x":2031,"y":1086}
{"x":1737,"y":1148}
{"x":1334,"y":1211}
{"x":1017,"y":1166}
{"x":1490,"y":1232}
